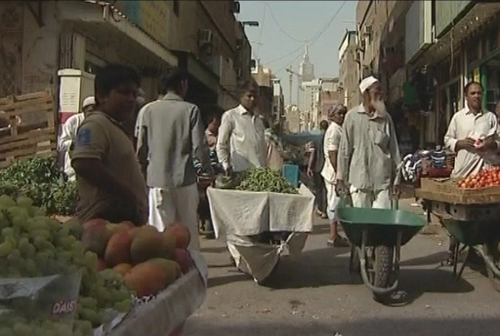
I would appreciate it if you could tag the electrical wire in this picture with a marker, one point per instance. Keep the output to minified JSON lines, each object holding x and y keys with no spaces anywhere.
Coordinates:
{"x":279,"y":26}
{"x":313,"y":39}
{"x":261,"y":30}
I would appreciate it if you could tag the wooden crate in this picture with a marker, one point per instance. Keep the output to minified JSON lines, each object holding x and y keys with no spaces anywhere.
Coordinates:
{"x":32,"y":130}
{"x":446,"y":190}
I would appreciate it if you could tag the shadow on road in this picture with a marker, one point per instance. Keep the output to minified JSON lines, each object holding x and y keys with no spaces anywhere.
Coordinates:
{"x":320,"y":229}
{"x":311,"y":269}
{"x":413,"y":283}
{"x":224,"y":280}
{"x":357,"y":327}
{"x":435,"y":258}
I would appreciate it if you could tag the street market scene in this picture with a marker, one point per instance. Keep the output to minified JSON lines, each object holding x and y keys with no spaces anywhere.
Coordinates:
{"x":245,"y":168}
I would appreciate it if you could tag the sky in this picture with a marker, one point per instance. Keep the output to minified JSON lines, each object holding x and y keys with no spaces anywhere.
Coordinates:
{"x":284,"y":28}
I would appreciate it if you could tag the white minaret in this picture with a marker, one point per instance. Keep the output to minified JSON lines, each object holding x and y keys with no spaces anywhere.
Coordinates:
{"x":306,"y":68}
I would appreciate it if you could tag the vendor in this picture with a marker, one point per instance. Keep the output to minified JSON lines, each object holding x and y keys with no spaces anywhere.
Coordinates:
{"x":241,"y":144}
{"x":110,"y":183}
{"x":472,"y":135}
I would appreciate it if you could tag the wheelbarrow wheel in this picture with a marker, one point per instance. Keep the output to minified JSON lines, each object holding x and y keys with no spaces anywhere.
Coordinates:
{"x":383,"y":266}
{"x":354,"y":263}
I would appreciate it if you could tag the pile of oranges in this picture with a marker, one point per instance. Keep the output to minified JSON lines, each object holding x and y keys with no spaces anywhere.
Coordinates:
{"x":486,"y":178}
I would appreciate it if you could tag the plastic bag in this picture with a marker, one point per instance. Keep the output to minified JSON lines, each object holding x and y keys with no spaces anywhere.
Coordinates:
{"x":39,"y":306}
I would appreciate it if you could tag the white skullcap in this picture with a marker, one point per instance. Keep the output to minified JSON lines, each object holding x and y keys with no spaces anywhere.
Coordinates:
{"x":366,"y":83}
{"x":88,"y":101}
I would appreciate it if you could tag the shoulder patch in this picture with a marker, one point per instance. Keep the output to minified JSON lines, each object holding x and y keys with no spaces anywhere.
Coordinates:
{"x":83,"y":138}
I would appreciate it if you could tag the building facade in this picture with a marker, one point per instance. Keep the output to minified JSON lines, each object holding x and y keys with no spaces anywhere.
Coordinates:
{"x":309,"y":103}
{"x":264,"y":79}
{"x":278,"y":104}
{"x":425,"y":52}
{"x":292,"y":119}
{"x":348,"y":69}
{"x":203,"y":37}
{"x":331,"y":93}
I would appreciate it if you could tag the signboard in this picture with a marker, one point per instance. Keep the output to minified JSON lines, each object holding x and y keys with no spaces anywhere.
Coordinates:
{"x":150,"y":16}
{"x":447,"y":11}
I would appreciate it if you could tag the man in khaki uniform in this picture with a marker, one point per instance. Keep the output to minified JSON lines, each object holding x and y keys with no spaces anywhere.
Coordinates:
{"x":110,"y":182}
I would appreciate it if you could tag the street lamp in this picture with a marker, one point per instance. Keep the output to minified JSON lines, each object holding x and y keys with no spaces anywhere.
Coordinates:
{"x":250,"y":23}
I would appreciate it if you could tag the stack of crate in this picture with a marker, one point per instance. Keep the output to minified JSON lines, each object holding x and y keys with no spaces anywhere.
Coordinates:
{"x":31,"y":130}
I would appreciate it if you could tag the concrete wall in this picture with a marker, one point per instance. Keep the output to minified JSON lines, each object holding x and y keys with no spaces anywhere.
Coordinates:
{"x":33,"y":50}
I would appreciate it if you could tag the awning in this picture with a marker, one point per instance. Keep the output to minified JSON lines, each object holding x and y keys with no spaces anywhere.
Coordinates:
{"x":104,"y":24}
{"x":471,"y":22}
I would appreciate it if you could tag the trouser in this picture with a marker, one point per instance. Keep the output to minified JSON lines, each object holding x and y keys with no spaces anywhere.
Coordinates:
{"x":331,"y":200}
{"x":379,"y":199}
{"x":168,"y":205}
{"x":320,"y":192}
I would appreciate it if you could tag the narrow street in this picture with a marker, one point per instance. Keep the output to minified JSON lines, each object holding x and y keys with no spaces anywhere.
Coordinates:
{"x":314,"y":294}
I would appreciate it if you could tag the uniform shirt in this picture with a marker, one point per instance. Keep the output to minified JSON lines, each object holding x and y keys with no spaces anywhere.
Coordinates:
{"x":68,"y":135}
{"x":369,"y":153}
{"x":170,"y":137}
{"x":465,"y":124}
{"x":331,"y":143}
{"x":241,"y":142}
{"x":103,"y":138}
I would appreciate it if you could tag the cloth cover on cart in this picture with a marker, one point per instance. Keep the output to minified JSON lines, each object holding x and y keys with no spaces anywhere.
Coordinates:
{"x":239,"y":215}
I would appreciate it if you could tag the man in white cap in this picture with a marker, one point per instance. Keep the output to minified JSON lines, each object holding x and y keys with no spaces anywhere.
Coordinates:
{"x":369,"y":153}
{"x":68,"y":134}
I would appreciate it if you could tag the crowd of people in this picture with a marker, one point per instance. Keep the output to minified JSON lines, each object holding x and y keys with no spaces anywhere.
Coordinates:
{"x":146,"y":172}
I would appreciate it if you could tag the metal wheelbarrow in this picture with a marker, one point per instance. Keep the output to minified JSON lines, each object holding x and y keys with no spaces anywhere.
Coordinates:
{"x":376,"y":237}
{"x":475,"y":227}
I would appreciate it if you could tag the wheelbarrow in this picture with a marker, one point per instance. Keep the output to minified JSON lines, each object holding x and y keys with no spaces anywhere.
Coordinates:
{"x":376,"y":237}
{"x":475,"y":227}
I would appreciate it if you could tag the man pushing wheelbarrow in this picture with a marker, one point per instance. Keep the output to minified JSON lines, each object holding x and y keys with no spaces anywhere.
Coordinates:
{"x":368,"y":161}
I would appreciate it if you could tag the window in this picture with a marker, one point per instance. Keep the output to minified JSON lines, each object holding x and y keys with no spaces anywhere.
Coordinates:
{"x":176,"y":7}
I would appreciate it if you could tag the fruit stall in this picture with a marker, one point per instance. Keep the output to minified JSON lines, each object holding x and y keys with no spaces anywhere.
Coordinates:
{"x":261,"y":215}
{"x":469,"y":209}
{"x":96,"y":278}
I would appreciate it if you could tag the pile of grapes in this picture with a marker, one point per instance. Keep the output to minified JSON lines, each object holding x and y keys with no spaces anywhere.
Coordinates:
{"x":33,"y":245}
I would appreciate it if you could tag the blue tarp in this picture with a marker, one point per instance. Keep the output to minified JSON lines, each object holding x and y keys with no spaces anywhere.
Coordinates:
{"x":301,"y":138}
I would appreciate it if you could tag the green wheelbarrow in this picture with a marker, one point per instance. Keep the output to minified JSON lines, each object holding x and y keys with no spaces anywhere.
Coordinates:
{"x":376,"y":237}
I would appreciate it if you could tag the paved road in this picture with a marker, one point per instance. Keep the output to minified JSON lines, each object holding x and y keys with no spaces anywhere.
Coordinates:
{"x":315,"y":295}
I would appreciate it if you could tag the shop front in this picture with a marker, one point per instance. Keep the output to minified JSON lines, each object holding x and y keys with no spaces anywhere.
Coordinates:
{"x":483,"y":55}
{"x":203,"y":84}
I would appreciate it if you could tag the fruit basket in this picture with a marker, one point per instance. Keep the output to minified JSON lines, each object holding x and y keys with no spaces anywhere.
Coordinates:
{"x":167,"y":311}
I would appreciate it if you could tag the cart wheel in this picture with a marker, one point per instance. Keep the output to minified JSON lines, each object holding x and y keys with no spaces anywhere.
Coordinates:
{"x":354,"y":264}
{"x":383,"y":265}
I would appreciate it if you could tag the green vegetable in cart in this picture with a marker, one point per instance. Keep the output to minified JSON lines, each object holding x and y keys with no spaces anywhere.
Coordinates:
{"x":264,"y":179}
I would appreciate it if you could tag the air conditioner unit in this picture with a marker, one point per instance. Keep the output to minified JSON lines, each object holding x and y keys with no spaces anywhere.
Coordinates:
{"x":205,"y":37}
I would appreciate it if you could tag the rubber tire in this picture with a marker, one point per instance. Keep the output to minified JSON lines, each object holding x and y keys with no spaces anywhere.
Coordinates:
{"x":354,"y":263}
{"x":384,"y":256}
